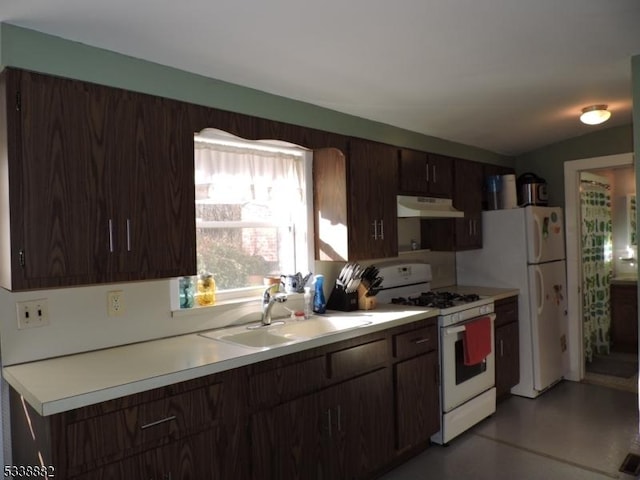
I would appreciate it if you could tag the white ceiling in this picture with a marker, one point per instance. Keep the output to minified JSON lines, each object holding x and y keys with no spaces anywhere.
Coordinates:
{"x":508,"y":76}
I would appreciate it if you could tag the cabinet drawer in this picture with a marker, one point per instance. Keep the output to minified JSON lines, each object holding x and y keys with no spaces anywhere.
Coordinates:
{"x":108,"y":437}
{"x":506,"y":311}
{"x":286,"y":382}
{"x":416,"y":341}
{"x":359,"y":359}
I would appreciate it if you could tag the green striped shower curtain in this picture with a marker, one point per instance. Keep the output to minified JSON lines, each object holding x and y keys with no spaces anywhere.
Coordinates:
{"x":596,"y":268}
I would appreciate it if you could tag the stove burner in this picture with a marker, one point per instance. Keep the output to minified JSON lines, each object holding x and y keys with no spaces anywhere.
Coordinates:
{"x":437,"y":299}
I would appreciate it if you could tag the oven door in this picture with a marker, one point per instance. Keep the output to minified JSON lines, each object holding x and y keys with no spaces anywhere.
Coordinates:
{"x":460,"y":382}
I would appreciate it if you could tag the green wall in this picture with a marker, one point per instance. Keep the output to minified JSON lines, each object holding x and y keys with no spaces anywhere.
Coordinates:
{"x":39,"y":52}
{"x":548,"y":162}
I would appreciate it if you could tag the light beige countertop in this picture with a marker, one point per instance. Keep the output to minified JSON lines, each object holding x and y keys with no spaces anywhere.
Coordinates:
{"x":60,"y":384}
{"x":64,"y":383}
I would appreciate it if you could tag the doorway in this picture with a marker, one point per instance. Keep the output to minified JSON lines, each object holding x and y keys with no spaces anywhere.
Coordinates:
{"x":572,"y":173}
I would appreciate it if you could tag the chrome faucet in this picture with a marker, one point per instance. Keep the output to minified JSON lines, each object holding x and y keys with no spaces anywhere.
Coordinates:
{"x":268,"y":301}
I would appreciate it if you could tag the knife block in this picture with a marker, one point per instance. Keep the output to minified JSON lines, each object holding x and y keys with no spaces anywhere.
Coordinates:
{"x":364,"y":302}
{"x":342,"y":300}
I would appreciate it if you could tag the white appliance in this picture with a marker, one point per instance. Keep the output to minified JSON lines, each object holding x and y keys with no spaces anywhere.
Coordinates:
{"x":524,"y":248}
{"x":467,"y":392}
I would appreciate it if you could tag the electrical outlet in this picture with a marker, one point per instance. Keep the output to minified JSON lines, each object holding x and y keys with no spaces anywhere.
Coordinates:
{"x":115,"y":303}
{"x":32,"y":313}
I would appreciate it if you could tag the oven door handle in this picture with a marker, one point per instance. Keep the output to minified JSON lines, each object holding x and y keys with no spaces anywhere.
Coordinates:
{"x":453,"y":330}
{"x":462,"y":328}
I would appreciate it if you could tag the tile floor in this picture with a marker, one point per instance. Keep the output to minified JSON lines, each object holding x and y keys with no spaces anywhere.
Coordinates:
{"x":573,"y":431}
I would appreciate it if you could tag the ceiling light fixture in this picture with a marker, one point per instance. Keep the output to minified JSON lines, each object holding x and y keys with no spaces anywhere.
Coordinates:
{"x":595,"y":114}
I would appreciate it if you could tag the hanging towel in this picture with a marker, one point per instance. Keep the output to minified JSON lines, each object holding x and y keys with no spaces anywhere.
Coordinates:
{"x":477,"y":340}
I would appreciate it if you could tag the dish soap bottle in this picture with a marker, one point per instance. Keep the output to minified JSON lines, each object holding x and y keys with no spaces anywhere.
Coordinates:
{"x":319,"y":302}
{"x":206,"y":289}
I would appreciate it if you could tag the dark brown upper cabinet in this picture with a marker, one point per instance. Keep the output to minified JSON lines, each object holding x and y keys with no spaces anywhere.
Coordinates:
{"x":450,"y":234}
{"x":425,"y":174}
{"x":355,"y":202}
{"x":99,"y":184}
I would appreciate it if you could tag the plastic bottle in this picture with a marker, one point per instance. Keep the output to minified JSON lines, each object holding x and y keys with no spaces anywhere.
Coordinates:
{"x":187,"y":293}
{"x":308,"y":302}
{"x":319,"y":302}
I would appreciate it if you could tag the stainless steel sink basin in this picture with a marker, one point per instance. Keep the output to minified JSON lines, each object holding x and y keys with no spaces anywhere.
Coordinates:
{"x":290,"y":332}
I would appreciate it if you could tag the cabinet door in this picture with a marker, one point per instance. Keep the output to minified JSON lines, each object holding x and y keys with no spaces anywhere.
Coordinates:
{"x":56,"y":164}
{"x":440,"y":175}
{"x":468,"y":231}
{"x":468,"y":198}
{"x":287,"y":440}
{"x":156,"y":212}
{"x":413,"y":170}
{"x":422,"y":173}
{"x":327,"y":435}
{"x":361,"y":412}
{"x":624,"y":318}
{"x":103,"y":181}
{"x":417,"y":400}
{"x":372,"y":219}
{"x":507,"y":358}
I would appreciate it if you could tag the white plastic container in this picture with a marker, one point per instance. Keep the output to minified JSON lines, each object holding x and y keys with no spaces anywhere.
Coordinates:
{"x":509,"y":197}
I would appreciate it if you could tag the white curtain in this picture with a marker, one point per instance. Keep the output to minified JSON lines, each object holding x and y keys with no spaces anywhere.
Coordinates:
{"x":240,"y":175}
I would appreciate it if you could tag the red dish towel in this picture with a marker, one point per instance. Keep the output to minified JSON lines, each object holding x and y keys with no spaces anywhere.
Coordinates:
{"x":477,"y":340}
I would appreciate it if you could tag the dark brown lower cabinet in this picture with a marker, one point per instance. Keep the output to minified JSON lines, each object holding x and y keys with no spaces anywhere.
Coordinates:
{"x":507,"y":346}
{"x":340,"y":432}
{"x":346,"y":410}
{"x":417,"y":400}
{"x":624,"y":317}
{"x":195,"y":457}
{"x":186,"y":431}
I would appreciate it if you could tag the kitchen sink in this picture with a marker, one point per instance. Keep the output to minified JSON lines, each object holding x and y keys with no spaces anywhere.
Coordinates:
{"x":318,"y":326}
{"x":256,"y":338}
{"x":282,"y":334}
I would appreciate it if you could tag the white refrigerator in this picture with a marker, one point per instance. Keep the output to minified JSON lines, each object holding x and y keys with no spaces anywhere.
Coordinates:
{"x":524,"y":248}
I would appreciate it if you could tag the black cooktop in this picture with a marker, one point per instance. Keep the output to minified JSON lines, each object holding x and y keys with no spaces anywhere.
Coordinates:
{"x":437,"y":299}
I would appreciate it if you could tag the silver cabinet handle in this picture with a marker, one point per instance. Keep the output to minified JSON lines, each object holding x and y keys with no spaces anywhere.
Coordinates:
{"x":339,"y":418}
{"x":329,"y":421}
{"x":110,"y":235}
{"x":381,"y":229}
{"x":128,"y":235}
{"x":427,"y":168}
{"x":157,"y":422}
{"x":421,"y":340}
{"x":375,"y":230}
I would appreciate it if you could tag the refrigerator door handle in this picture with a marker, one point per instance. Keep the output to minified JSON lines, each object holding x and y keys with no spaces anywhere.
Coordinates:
{"x":540,"y":289}
{"x":537,"y":245}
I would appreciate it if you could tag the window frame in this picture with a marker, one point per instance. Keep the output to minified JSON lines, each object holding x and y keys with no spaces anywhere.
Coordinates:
{"x":303,"y":240}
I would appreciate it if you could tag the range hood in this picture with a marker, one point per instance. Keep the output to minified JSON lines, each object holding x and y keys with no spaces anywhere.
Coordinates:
{"x":427,"y":207}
